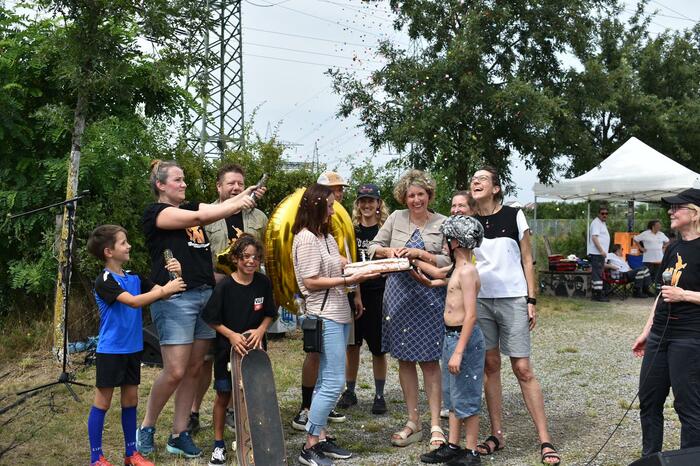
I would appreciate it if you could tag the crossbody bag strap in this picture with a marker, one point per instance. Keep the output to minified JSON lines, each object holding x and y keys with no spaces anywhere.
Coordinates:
{"x":325,"y":296}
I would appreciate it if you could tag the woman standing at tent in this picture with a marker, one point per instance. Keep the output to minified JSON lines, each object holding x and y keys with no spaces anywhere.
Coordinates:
{"x":653,"y":243}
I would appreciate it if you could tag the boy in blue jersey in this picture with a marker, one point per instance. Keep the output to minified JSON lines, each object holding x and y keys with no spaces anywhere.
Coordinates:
{"x":120,"y":295}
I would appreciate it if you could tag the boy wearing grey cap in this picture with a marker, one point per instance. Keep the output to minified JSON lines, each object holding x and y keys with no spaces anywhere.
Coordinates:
{"x":463,"y":345}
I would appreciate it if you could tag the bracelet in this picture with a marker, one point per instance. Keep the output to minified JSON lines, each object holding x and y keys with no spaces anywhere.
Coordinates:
{"x":532,"y":301}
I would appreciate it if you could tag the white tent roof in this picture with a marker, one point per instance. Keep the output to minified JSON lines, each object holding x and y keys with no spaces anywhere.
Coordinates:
{"x":634,"y":171}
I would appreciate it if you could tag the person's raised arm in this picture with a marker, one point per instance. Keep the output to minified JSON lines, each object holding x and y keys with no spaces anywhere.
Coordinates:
{"x":432,"y":270}
{"x":156,"y":293}
{"x":176,"y":219}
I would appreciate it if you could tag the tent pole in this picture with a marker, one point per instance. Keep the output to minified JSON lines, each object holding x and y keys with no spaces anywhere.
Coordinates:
{"x":534,"y":240}
{"x":588,"y":224}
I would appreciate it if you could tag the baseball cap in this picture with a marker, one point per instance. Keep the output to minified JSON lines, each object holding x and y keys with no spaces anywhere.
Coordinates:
{"x":689,"y":196}
{"x":368,"y":190}
{"x":331,"y":179}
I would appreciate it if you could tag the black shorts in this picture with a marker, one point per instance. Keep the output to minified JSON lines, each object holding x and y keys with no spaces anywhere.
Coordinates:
{"x":369,"y":326}
{"x":223,"y":357}
{"x":115,"y":370}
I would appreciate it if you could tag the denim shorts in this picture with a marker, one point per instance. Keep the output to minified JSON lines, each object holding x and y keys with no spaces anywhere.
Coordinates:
{"x":178,"y":318}
{"x":505,"y":324}
{"x":461,"y":393}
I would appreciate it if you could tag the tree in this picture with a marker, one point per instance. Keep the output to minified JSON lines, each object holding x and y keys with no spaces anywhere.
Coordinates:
{"x":484,"y":87}
{"x":632,"y":84}
{"x":560,"y":84}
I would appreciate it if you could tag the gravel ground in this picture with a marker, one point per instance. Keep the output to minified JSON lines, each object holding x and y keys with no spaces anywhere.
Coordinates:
{"x":581,"y":354}
{"x":582,"y":358}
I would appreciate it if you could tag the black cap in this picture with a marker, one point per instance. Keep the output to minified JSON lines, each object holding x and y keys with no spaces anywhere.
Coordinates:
{"x":689,"y":196}
{"x":368,"y":190}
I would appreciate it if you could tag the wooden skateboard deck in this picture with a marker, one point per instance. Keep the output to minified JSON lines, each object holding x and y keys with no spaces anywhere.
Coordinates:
{"x":259,"y":433}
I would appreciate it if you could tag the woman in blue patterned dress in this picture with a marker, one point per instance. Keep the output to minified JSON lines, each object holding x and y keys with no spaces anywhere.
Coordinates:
{"x":413,"y":327}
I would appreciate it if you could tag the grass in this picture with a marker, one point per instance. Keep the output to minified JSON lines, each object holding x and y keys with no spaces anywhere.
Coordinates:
{"x":580,"y":352}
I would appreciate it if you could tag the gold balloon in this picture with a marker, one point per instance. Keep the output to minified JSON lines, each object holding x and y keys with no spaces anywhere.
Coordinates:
{"x":278,"y":246}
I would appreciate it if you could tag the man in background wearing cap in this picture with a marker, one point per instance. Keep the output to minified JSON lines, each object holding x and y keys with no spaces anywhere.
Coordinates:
{"x":334,"y":181}
{"x":309,"y":370}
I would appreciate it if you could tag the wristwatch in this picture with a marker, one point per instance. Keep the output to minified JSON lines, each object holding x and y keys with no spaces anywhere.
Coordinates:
{"x":530,"y":300}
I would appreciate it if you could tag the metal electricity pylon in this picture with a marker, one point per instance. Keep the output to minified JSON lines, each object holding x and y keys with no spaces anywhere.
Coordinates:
{"x":216,"y":124}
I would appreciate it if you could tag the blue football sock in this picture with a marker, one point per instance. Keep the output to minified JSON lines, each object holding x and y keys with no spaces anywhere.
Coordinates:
{"x":96,"y":422}
{"x":129,"y":428}
{"x":219,"y":444}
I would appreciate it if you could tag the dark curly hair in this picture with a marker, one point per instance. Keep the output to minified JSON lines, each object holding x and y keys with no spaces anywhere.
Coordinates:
{"x":241,"y":244}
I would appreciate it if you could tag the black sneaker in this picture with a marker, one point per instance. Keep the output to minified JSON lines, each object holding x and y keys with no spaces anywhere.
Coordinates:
{"x":466,"y":458}
{"x":299,"y":421}
{"x":314,"y":456}
{"x":335,"y":416}
{"x":218,"y":457}
{"x":443,"y":454}
{"x":193,"y":424}
{"x":347,"y":399}
{"x":332,"y":450}
{"x":378,"y":405}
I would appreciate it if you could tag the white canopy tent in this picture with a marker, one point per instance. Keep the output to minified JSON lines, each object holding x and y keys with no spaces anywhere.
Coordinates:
{"x":634,"y":172}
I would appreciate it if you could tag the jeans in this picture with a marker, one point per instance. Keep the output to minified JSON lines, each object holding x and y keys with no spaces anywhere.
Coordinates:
{"x":677,"y":366}
{"x":331,"y":375}
{"x":461,"y":393}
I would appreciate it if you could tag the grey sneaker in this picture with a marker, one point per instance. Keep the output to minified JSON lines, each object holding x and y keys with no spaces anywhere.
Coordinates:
{"x":299,"y":421}
{"x":144,"y":440}
{"x":230,"y":420}
{"x":183,"y":445}
{"x":335,"y":416}
{"x":332,"y":450}
{"x":314,"y":456}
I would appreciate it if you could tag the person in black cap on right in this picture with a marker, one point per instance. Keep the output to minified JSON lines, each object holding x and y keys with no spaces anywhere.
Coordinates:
{"x":670,"y":340}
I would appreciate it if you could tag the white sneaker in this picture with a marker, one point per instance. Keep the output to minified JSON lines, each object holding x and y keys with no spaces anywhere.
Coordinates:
{"x":218,"y":457}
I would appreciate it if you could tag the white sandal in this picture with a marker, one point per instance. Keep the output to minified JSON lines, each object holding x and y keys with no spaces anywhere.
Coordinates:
{"x":434,"y":438}
{"x":405,"y":439}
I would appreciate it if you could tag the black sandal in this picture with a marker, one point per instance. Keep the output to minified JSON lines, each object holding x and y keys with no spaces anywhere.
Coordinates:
{"x":485,"y":446}
{"x":550,"y":454}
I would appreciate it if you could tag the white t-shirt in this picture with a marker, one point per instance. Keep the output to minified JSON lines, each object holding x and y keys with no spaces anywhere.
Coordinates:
{"x":498,"y":259}
{"x":617,"y":261}
{"x":653,"y":245}
{"x":599,"y":229}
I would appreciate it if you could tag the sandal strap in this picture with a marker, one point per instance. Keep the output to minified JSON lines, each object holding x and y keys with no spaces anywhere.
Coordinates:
{"x":544,"y":445}
{"x":438,"y":429}
{"x":493,"y":439}
{"x":413,"y":426}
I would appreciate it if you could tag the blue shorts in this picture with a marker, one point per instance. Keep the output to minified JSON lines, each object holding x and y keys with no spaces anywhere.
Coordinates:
{"x":178,"y":318}
{"x":461,"y":393}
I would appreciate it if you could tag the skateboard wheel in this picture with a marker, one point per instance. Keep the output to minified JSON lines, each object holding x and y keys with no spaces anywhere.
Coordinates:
{"x":233,"y":445}
{"x":228,"y":366}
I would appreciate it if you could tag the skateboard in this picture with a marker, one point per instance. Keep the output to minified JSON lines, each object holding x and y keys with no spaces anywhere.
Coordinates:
{"x":259,"y":433}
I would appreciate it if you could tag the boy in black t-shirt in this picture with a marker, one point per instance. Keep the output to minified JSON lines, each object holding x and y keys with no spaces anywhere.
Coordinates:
{"x":240,"y":309}
{"x":120,"y":295}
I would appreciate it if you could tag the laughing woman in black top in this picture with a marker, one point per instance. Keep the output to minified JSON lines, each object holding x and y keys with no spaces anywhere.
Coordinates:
{"x":671,"y":337}
{"x":171,"y":223}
